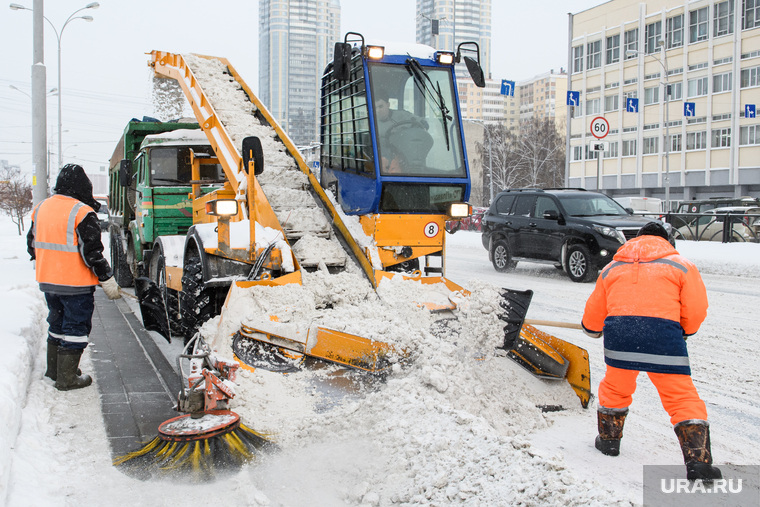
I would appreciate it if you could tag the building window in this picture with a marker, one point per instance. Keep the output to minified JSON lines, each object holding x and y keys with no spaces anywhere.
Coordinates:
{"x":611,"y":103}
{"x":674,"y":32}
{"x":723,"y":18}
{"x":721,"y":117}
{"x":722,"y":82}
{"x":674,"y":91}
{"x":651,"y":95}
{"x":721,"y":138}
{"x":593,"y":106}
{"x":594,"y":55}
{"x":652,"y":34}
{"x":612,"y":85}
{"x":612,"y":151}
{"x":749,"y":134}
{"x":651,"y":126}
{"x":750,"y":76}
{"x":750,"y":14}
{"x":650,"y":146}
{"x":696,"y":87}
{"x":675,"y":142}
{"x":629,"y":147}
{"x":591,"y":154}
{"x":721,"y":61}
{"x":613,"y":49}
{"x":696,"y":140}
{"x":632,"y":42}
{"x":577,"y":153}
{"x":577,"y":59}
{"x":698,"y":24}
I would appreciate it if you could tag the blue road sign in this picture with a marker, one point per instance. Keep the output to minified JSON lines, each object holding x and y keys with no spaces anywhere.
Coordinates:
{"x":749,"y":110}
{"x":631,"y":105}
{"x":573,"y":98}
{"x":689,"y":109}
{"x":508,"y":88}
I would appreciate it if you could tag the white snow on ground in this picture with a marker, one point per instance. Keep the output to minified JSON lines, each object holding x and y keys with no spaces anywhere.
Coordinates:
{"x":457,"y":425}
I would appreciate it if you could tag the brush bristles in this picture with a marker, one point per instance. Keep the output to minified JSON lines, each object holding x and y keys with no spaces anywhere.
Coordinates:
{"x":200,"y":458}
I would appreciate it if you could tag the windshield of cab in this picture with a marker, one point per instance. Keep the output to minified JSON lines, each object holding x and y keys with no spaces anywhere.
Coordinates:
{"x":589,"y":205}
{"x":171,"y":165}
{"x":416,"y":122}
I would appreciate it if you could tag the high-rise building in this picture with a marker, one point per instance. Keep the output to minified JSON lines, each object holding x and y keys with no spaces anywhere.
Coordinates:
{"x":544,"y":97}
{"x":296,"y":39}
{"x":443,"y":24}
{"x":674,"y":80}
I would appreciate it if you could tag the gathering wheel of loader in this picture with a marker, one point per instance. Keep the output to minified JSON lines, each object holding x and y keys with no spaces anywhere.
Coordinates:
{"x":157,"y":273}
{"x":198,"y":303}
{"x":119,"y":262}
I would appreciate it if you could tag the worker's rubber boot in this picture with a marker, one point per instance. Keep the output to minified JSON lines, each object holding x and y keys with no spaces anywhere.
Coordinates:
{"x":52,"y":359}
{"x":68,"y":364}
{"x":694,"y":437}
{"x":610,"y":423}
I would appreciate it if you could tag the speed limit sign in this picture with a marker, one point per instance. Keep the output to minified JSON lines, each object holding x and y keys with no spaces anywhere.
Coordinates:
{"x":599,"y":127}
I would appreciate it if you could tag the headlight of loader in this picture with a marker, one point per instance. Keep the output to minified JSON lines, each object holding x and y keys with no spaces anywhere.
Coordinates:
{"x":222,"y":207}
{"x":610,"y":232}
{"x":459,"y":210}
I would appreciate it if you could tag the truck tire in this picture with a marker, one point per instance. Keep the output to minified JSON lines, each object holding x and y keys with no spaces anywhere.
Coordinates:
{"x":119,"y":261}
{"x":198,"y":303}
{"x":170,"y":296}
{"x":578,"y":264}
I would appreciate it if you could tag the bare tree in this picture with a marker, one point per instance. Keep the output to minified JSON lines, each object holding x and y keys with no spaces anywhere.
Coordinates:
{"x":533,"y":157}
{"x":15,"y":195}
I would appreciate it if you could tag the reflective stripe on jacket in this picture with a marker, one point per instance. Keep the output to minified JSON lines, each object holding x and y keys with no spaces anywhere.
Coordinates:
{"x":57,"y":247}
{"x":645,"y":301}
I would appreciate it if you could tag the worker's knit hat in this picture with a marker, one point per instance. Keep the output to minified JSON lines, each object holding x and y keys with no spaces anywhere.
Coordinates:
{"x":73,"y":182}
{"x":653,"y":229}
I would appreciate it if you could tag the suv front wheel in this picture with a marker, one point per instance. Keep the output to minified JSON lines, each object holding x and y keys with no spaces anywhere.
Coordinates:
{"x":500,"y":257}
{"x":578,"y":264}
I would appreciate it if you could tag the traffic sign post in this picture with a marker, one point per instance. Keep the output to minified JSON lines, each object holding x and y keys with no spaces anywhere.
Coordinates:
{"x":749,"y":111}
{"x":573,"y":98}
{"x":632,"y":105}
{"x":507,"y":88}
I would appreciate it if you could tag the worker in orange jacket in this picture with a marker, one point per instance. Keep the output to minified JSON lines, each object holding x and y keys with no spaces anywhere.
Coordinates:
{"x":646,"y":302}
{"x":64,"y":239}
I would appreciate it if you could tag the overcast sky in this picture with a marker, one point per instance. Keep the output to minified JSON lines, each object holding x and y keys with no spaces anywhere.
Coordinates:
{"x":106,"y":81}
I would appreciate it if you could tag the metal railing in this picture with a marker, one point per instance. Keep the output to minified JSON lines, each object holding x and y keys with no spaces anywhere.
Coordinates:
{"x":726,"y":227}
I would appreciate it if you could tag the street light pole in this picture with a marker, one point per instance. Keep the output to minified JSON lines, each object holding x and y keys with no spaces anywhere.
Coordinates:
{"x":58,"y":35}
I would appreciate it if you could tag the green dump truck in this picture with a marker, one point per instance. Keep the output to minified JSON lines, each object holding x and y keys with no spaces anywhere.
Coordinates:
{"x":150,"y":185}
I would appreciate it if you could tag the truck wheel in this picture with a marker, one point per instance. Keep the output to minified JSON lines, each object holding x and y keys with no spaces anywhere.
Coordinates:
{"x":171,"y":296}
{"x":119,"y":262}
{"x":578,"y":264}
{"x":500,"y":257}
{"x":197,"y":302}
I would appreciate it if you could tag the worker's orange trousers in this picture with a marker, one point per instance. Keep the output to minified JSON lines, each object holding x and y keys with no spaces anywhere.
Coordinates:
{"x":677,"y":392}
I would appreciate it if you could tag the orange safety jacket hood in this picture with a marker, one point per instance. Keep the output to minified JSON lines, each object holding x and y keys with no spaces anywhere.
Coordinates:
{"x":645,"y":301}
{"x":60,"y":262}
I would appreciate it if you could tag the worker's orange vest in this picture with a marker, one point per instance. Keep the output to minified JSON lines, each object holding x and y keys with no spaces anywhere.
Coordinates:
{"x":56,"y":244}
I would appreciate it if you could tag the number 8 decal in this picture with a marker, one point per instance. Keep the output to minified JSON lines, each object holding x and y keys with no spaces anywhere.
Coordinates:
{"x":431,"y":229}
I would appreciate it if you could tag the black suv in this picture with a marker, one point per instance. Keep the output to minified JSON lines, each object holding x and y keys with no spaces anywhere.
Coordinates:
{"x":574,"y":229}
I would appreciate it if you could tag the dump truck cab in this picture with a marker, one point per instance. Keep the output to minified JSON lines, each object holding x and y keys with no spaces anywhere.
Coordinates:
{"x":393,"y":151}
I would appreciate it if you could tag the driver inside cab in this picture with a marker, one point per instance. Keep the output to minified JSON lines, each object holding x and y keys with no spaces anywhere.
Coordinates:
{"x":402,"y":137}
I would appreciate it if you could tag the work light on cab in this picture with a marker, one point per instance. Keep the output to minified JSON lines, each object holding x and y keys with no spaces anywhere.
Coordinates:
{"x":444,"y":57}
{"x":222,"y":207}
{"x":459,"y":210}
{"x":375,"y":52}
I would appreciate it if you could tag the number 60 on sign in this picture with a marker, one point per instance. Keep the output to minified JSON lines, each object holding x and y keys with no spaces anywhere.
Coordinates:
{"x":599,"y":127}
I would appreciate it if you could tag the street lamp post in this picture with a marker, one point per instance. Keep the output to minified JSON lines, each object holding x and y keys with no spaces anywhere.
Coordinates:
{"x":666,"y":88}
{"x":58,"y":35}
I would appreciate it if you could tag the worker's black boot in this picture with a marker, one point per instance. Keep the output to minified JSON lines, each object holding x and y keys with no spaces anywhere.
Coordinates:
{"x":52,"y":359}
{"x":610,"y":423}
{"x":68,"y":363}
{"x":694,"y":437}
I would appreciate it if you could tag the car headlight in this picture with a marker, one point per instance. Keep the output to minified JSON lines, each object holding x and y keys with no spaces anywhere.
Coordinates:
{"x":610,"y":232}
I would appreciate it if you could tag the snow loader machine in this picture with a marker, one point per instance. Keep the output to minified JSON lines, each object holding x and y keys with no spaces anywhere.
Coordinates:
{"x":379,"y":203}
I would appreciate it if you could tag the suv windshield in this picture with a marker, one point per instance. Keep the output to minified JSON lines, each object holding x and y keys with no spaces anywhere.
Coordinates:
{"x":589,"y":205}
